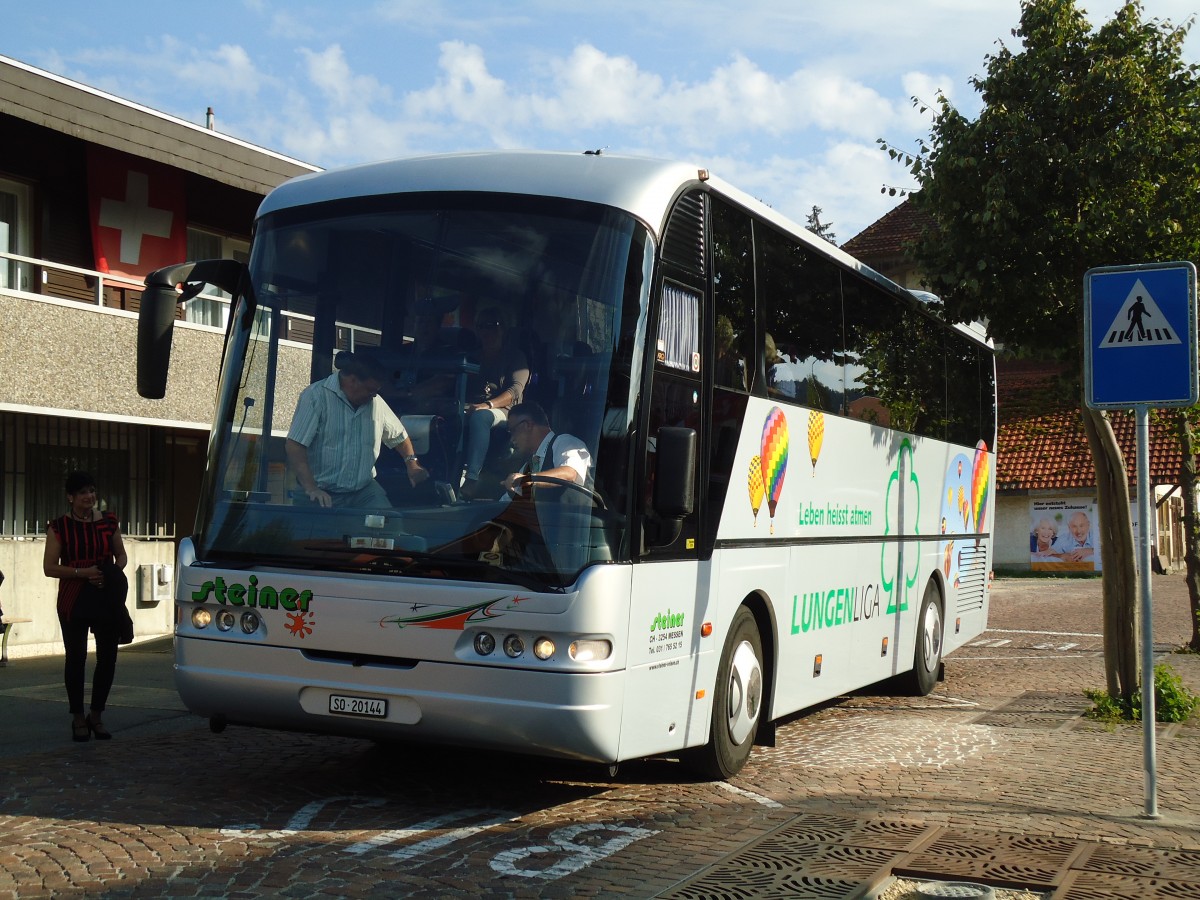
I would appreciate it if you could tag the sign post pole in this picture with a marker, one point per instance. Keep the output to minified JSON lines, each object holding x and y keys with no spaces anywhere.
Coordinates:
{"x":1149,"y":718}
{"x":1139,"y":353}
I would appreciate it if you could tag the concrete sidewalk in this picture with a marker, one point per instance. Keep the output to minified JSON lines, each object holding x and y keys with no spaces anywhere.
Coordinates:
{"x":143,"y":699}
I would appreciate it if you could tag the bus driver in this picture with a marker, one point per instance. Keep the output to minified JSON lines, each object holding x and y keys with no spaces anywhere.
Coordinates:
{"x":561,"y":456}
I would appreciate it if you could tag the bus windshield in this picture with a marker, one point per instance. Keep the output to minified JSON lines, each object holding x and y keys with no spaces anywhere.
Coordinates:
{"x":450,"y":309}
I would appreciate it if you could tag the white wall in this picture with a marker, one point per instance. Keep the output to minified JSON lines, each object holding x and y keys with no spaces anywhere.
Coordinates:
{"x":27,"y":593}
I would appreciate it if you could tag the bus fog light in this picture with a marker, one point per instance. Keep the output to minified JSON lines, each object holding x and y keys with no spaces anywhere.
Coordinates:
{"x":484,"y":644}
{"x":543,"y":648}
{"x":590,"y":651}
{"x":201,"y":617}
{"x":225,"y":620}
{"x":514,"y":646}
{"x":249,"y":622}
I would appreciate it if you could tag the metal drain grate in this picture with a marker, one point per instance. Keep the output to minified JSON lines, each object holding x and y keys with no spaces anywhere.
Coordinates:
{"x":1145,"y":862}
{"x":828,"y":857}
{"x":811,"y":856}
{"x":1099,"y":886}
{"x":738,"y":883}
{"x":1016,"y":861}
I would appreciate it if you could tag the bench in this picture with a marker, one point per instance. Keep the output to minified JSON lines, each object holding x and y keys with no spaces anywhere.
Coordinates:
{"x":7,"y":622}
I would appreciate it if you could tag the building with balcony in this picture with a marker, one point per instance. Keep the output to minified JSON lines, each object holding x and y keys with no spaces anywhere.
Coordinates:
{"x":95,"y":192}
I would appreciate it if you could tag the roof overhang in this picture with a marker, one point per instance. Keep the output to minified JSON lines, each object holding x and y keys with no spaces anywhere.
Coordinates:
{"x":62,"y":105}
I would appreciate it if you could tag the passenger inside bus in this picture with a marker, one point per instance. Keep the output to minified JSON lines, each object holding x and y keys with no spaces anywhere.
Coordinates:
{"x":498,"y":386}
{"x":336,"y":434}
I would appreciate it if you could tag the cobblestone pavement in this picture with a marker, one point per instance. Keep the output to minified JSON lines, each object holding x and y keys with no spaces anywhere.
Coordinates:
{"x":994,"y":777}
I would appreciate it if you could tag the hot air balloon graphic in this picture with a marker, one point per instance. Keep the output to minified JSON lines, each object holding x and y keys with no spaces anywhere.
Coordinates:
{"x":774,"y":458}
{"x":816,"y":435}
{"x":963,"y":508}
{"x":754,"y":482}
{"x":981,"y":482}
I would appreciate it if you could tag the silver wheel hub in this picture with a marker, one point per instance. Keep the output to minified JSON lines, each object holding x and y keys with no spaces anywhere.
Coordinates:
{"x":931,"y":637}
{"x":744,"y":696}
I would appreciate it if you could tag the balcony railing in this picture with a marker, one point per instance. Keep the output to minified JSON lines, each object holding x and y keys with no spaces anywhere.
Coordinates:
{"x":114,"y":292}
{"x":85,"y":282}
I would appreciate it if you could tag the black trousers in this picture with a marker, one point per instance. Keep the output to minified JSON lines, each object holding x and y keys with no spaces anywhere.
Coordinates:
{"x":75,"y":642}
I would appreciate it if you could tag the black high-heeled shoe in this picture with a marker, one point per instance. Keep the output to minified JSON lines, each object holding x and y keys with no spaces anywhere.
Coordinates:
{"x":98,"y":729}
{"x":81,"y":733}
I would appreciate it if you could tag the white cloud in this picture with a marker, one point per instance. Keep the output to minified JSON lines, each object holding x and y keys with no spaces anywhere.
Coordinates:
{"x":466,"y":91}
{"x":228,"y":70}
{"x":594,"y":88}
{"x":334,"y":79}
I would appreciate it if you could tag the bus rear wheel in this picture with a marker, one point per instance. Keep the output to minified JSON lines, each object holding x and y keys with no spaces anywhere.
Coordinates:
{"x":927,"y":658}
{"x":737,"y":701}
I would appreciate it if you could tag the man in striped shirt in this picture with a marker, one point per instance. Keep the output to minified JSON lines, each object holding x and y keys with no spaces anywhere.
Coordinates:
{"x":337,"y":431}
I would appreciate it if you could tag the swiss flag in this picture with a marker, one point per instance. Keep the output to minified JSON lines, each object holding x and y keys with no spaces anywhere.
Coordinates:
{"x":138,"y":213}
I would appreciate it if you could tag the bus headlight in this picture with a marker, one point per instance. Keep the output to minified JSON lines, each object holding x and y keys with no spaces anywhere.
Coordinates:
{"x":201,"y":617}
{"x":514,"y":646}
{"x":249,"y":622}
{"x":589,"y":651}
{"x":543,"y":648}
{"x":484,"y":644}
{"x":226,"y":620}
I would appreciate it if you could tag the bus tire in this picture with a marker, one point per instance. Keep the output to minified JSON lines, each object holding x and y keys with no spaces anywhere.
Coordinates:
{"x":737,"y":701}
{"x":927,"y":658}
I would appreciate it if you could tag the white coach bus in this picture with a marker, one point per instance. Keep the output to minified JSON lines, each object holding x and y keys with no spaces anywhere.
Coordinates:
{"x":789,"y":494}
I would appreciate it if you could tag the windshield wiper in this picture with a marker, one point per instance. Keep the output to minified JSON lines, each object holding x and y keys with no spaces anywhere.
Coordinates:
{"x":406,"y":562}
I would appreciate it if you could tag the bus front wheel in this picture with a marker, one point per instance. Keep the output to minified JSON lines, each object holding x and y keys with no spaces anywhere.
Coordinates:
{"x":927,"y":658}
{"x":737,"y":700}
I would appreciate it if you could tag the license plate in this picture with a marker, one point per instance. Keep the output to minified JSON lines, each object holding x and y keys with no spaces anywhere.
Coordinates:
{"x":345,"y":705}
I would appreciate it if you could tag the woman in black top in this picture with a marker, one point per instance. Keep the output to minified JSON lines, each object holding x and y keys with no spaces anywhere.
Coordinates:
{"x":77,"y":545}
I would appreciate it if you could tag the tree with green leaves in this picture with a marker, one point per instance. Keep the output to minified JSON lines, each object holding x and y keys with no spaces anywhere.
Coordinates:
{"x":1084,"y":154}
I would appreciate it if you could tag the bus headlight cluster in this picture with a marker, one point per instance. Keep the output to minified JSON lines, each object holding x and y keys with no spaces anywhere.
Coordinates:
{"x":202,"y":617}
{"x":544,"y":647}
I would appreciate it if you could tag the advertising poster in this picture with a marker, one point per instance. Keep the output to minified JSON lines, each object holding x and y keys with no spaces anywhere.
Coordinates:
{"x":1063,"y":536}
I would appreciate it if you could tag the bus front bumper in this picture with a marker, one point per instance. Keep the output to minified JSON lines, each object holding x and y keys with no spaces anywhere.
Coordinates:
{"x":567,"y":715}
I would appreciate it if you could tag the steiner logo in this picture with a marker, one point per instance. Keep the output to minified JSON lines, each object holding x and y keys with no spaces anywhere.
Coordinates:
{"x":265,"y":597}
{"x":667,"y":620}
{"x":837,"y":606}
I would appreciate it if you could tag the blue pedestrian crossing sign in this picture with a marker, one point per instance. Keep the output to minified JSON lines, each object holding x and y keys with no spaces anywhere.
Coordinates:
{"x":1140,"y":335}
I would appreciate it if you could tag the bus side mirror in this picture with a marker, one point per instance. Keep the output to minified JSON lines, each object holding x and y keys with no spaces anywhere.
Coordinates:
{"x":675,"y":472}
{"x":156,"y":315}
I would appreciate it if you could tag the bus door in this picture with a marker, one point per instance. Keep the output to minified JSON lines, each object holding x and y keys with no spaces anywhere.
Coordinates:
{"x":668,"y":690}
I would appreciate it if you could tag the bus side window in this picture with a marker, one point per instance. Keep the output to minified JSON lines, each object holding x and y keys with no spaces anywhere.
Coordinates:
{"x":895,"y":362}
{"x":733,"y":296}
{"x":802,"y":314}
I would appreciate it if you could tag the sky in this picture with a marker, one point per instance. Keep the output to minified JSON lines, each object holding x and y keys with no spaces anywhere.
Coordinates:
{"x":783,"y":98}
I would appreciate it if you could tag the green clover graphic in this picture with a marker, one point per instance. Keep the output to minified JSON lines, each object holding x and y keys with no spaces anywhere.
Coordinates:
{"x":898,"y":565}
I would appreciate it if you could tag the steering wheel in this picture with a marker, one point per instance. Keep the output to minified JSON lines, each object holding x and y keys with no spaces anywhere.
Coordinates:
{"x":596,"y":499}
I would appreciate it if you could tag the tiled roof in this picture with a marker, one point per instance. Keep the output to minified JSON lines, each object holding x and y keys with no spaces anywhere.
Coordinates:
{"x":1042,"y":445}
{"x":887,"y":235}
